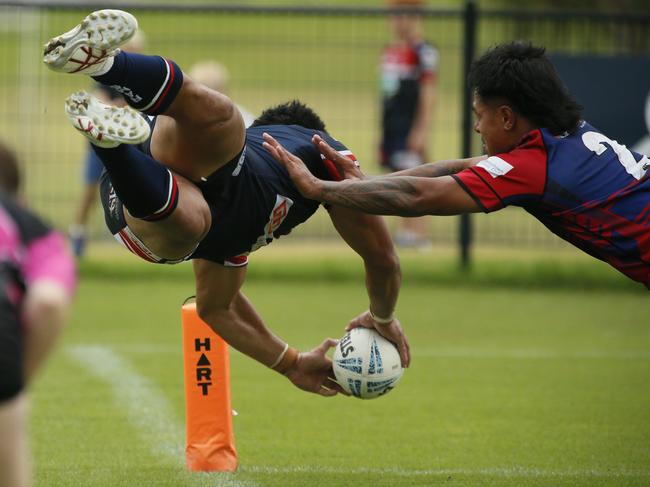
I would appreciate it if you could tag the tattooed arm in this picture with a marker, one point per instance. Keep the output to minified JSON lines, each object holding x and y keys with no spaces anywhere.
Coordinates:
{"x":350,"y":170}
{"x":383,"y":195}
{"x":402,"y":196}
{"x":440,"y":168}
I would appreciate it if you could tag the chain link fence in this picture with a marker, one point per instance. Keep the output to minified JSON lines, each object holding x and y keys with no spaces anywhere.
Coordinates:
{"x":326,"y":57}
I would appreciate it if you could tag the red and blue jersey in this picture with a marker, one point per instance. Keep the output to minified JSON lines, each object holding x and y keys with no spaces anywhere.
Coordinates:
{"x":403,"y":69}
{"x":584,"y":187}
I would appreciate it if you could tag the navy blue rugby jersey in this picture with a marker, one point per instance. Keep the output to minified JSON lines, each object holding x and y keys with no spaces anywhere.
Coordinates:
{"x":252,"y":198}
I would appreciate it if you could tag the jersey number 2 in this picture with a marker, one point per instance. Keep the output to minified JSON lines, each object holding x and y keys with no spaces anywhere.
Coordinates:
{"x":595,"y":141}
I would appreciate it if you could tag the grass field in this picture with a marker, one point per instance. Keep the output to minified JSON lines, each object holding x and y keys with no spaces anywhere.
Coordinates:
{"x":529,"y":370}
{"x":520,"y":377}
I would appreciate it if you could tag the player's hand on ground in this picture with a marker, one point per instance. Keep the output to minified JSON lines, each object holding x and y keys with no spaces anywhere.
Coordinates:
{"x":308,"y":185}
{"x":391,"y":331}
{"x":347,"y":168}
{"x":313,"y":371}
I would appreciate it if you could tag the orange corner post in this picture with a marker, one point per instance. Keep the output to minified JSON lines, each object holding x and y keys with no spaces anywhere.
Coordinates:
{"x":210,"y":440}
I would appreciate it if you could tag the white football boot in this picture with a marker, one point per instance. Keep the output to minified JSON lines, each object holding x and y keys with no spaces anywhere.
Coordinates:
{"x":105,"y":125}
{"x":88,"y":47}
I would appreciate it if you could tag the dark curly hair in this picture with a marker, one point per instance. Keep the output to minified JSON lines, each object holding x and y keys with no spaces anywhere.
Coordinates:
{"x":521,"y":74}
{"x":293,"y":112}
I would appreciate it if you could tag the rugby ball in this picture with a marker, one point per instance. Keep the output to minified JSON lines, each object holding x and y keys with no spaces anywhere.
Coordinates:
{"x":366,"y":364}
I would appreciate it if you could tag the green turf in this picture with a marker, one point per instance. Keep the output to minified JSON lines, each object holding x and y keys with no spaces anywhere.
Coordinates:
{"x":303,"y":260}
{"x":525,"y":373}
{"x":511,"y":385}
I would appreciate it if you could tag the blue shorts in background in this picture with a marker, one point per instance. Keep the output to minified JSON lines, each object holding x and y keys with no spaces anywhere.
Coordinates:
{"x":93,"y":168}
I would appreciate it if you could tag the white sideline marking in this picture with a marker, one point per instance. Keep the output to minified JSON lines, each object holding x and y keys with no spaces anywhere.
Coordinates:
{"x":150,"y":412}
{"x":513,"y":472}
{"x":147,"y":409}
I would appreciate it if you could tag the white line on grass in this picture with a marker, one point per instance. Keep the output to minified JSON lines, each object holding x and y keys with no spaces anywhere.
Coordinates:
{"x":507,"y":472}
{"x":147,"y":409}
{"x":150,"y":412}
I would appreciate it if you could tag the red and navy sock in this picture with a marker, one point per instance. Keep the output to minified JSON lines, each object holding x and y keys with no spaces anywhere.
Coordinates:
{"x":147,"y":188}
{"x":148,"y":83}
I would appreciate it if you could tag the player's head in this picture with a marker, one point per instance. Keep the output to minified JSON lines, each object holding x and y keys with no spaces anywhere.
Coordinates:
{"x":212,"y":74}
{"x":515,"y":85}
{"x":9,"y":172}
{"x":406,"y":21}
{"x":291,"y":113}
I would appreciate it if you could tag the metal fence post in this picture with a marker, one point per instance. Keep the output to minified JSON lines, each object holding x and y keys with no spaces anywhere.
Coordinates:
{"x":465,"y":234}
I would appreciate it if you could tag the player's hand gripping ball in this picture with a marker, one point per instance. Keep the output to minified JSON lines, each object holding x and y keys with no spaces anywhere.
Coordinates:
{"x":366,"y":364}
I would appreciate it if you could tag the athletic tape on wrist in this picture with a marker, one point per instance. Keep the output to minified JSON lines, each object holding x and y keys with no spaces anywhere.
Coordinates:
{"x":280,"y":357}
{"x":381,"y":321}
{"x":286,"y":360}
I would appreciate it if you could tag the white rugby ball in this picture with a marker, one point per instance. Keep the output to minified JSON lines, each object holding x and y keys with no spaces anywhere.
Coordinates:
{"x":366,"y":364}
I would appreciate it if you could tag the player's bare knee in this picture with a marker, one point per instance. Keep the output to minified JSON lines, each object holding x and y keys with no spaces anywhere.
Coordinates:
{"x":205,"y":108}
{"x":191,"y":219}
{"x":177,"y":235}
{"x":191,"y":224}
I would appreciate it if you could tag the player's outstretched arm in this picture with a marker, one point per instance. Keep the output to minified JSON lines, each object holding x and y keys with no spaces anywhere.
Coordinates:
{"x":222,"y":305}
{"x":368,"y":236}
{"x":383,"y":195}
{"x":349,"y":169}
{"x":439,"y":168}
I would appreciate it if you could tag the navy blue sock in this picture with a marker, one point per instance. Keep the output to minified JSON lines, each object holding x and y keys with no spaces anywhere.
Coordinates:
{"x":147,"y":188}
{"x":148,"y":83}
